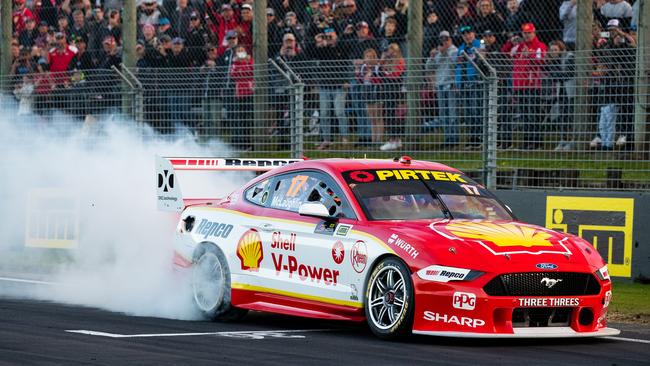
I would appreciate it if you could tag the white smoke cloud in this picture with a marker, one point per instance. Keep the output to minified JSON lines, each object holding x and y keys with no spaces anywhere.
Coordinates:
{"x":123,"y":261}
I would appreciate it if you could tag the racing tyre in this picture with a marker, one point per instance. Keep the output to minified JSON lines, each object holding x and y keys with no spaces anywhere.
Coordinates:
{"x":389,"y":300}
{"x":211,"y":285}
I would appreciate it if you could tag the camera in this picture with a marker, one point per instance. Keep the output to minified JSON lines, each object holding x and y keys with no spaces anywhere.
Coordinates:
{"x":604,"y":34}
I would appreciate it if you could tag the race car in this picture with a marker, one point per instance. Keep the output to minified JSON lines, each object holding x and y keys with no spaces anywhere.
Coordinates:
{"x":407,"y":246}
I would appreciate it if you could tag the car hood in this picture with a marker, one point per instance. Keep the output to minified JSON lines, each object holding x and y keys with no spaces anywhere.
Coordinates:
{"x":491,"y":246}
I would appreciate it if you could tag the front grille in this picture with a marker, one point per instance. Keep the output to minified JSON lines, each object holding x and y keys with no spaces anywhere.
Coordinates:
{"x":537,"y":284}
{"x":541,"y":317}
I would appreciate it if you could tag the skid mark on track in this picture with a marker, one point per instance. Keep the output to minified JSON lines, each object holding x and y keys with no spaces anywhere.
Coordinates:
{"x":246,"y":334}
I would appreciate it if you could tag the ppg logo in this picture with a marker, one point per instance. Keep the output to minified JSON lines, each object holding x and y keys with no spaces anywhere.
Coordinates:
{"x":166,"y":181}
{"x":464,"y":300}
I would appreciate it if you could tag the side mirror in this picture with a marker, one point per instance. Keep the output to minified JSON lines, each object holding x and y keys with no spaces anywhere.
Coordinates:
{"x":316,"y":209}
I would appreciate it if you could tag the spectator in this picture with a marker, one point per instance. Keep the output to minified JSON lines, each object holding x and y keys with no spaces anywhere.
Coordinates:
{"x":311,"y":12}
{"x":274,"y":33}
{"x":363,"y":40}
{"x":211,"y":97}
{"x":432,"y":28}
{"x":113,"y":27}
{"x":43,"y":88}
{"x":560,"y":65}
{"x":241,"y":72}
{"x":442,"y":61}
{"x":149,"y":38}
{"x":348,"y":17}
{"x":462,"y":17}
{"x":79,"y":27}
{"x":140,"y":52}
{"x":389,"y":35}
{"x":392,"y":73}
{"x":634,"y":24}
{"x":467,"y":81}
{"x":165,"y":28}
{"x":179,"y":99}
{"x":24,"y":92}
{"x":196,"y":38}
{"x":568,"y":17}
{"x":64,"y":25}
{"x":515,"y":18}
{"x":95,"y":24}
{"x":148,"y":13}
{"x":357,"y":92}
{"x":28,"y":35}
{"x":20,"y":15}
{"x":49,"y":11}
{"x":60,"y":58}
{"x":83,"y":60}
{"x":291,"y":25}
{"x":227,"y":23}
{"x":528,"y":58}
{"x":323,"y":20}
{"x":245,"y":28}
{"x":617,"y":9}
{"x":327,"y":53}
{"x":42,"y":35}
{"x":23,"y":64}
{"x":488,"y":18}
{"x":369,"y":77}
{"x":180,"y":17}
{"x":224,"y":65}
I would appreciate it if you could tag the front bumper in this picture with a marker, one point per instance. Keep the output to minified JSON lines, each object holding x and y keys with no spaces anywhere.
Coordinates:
{"x":463,"y":309}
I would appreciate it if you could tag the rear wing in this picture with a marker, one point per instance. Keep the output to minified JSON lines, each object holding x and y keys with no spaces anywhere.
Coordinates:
{"x":169,"y":194}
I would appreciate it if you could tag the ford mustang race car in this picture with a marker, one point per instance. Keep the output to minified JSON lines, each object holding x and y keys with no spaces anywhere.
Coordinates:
{"x":408,"y":246}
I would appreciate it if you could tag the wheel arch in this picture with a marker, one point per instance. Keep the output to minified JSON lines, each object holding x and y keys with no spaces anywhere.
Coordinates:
{"x":372,"y":267}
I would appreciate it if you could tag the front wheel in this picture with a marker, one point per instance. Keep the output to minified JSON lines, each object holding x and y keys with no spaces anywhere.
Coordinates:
{"x":389,"y":300}
{"x":211,"y":285}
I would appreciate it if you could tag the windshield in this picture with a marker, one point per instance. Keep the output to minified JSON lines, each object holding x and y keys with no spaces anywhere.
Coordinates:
{"x":422,"y":194}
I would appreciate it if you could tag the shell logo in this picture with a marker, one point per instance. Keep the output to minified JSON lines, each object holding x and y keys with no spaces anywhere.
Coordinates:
{"x":502,"y":235}
{"x":249,"y":250}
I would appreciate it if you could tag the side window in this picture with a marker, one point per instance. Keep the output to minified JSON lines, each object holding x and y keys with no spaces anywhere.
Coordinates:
{"x":292,"y":190}
{"x":259,"y":193}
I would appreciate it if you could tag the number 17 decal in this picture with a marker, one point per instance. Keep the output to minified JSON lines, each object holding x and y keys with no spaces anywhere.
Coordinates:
{"x":470,"y":189}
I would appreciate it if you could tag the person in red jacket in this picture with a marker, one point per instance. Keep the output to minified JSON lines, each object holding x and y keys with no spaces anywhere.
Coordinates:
{"x":528,"y":56}
{"x":20,"y":15}
{"x":241,"y":72}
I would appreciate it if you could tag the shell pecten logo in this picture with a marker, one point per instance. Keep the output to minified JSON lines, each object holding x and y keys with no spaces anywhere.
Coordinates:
{"x":501,"y":234}
{"x":249,"y":250}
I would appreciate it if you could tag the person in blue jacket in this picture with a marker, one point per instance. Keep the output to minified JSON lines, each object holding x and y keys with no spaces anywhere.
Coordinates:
{"x":468,"y":84}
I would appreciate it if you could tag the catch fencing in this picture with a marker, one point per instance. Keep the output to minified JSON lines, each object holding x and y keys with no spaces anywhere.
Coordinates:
{"x":561,"y":120}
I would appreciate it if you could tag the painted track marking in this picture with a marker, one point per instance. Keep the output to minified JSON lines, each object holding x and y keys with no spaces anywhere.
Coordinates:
{"x":34,"y":282}
{"x":628,"y":339}
{"x":249,"y":334}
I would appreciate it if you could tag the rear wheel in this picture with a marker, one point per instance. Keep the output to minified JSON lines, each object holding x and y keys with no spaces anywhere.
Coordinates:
{"x":389,"y":300}
{"x":211,"y":285}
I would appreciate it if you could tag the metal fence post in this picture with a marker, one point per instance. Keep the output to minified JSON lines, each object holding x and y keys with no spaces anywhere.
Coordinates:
{"x":642,"y":77}
{"x":5,"y":47}
{"x":138,"y":96}
{"x":297,"y":134}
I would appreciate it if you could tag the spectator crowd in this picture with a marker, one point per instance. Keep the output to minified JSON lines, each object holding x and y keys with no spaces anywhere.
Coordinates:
{"x":350,"y":53}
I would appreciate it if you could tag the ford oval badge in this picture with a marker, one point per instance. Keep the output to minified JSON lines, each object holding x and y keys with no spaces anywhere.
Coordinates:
{"x":546,"y":266}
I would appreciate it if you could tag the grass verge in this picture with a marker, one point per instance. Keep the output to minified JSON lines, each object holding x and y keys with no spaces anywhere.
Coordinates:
{"x":630,"y":303}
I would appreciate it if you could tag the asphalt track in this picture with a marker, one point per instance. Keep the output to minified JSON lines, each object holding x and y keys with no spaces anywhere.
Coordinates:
{"x":37,"y":332}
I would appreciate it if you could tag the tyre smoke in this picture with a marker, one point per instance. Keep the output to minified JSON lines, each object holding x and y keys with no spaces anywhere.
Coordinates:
{"x":105,"y":172}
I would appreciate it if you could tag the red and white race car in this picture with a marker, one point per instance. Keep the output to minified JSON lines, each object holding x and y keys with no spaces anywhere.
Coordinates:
{"x":408,"y":246}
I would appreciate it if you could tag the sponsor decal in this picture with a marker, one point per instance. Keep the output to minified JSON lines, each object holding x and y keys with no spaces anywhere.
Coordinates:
{"x":538,"y":302}
{"x":325,"y":228}
{"x":282,"y":242}
{"x":464,"y":300}
{"x":211,"y":228}
{"x":304,"y":271}
{"x":338,"y":252}
{"x":354,"y":293}
{"x":258,"y":162}
{"x":453,"y":319}
{"x":359,"y":256}
{"x":604,"y":273}
{"x":442,"y":274}
{"x":166,"y":180}
{"x":226,"y":164}
{"x":343,"y":230}
{"x":249,"y":250}
{"x":607,"y":299}
{"x":550,"y":282}
{"x":501,"y":238}
{"x":606,"y":223}
{"x":365,"y":176}
{"x":395,"y":240}
{"x":546,"y":266}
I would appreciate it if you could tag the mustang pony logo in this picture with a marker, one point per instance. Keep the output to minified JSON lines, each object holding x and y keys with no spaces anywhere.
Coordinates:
{"x":549,"y":282}
{"x":502,"y":238}
{"x":249,"y":250}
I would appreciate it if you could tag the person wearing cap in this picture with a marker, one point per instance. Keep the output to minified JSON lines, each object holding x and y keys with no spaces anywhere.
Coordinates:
{"x":246,"y":26}
{"x":79,"y":26}
{"x":196,"y":40}
{"x":293,"y":26}
{"x":113,"y":27}
{"x":178,"y":97}
{"x":274,"y":33}
{"x":528,"y":58}
{"x":432,"y":28}
{"x":165,"y":28}
{"x":241,"y":73}
{"x":617,"y":9}
{"x":60,"y":58}
{"x":83,"y":59}
{"x":180,"y":17}
{"x":462,"y":16}
{"x":467,"y":81}
{"x":19,"y":15}
{"x":311,"y":12}
{"x":226,"y":22}
{"x":442,"y":63}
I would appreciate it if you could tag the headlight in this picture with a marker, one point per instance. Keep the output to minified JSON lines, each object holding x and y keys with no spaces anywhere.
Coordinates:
{"x":438,"y":273}
{"x":603,"y":273}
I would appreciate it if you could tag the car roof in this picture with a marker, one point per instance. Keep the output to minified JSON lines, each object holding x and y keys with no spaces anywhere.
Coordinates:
{"x":338,"y":165}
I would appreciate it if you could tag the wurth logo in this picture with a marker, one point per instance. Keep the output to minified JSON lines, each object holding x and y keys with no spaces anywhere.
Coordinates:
{"x":402,"y":244}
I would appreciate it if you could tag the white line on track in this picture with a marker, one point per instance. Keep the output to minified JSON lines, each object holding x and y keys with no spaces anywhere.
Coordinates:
{"x":249,"y":334}
{"x":628,"y":339}
{"x":34,"y":282}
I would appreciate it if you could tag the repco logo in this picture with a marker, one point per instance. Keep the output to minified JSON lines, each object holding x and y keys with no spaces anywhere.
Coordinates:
{"x":464,"y":300}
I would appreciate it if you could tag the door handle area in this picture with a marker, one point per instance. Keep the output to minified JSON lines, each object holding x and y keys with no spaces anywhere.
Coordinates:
{"x":267,"y":227}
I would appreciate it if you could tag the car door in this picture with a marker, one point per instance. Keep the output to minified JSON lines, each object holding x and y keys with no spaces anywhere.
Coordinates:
{"x":308,"y":257}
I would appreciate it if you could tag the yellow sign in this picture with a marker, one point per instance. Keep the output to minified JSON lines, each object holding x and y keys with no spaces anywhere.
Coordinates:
{"x":52,"y":219}
{"x":604,"y":222}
